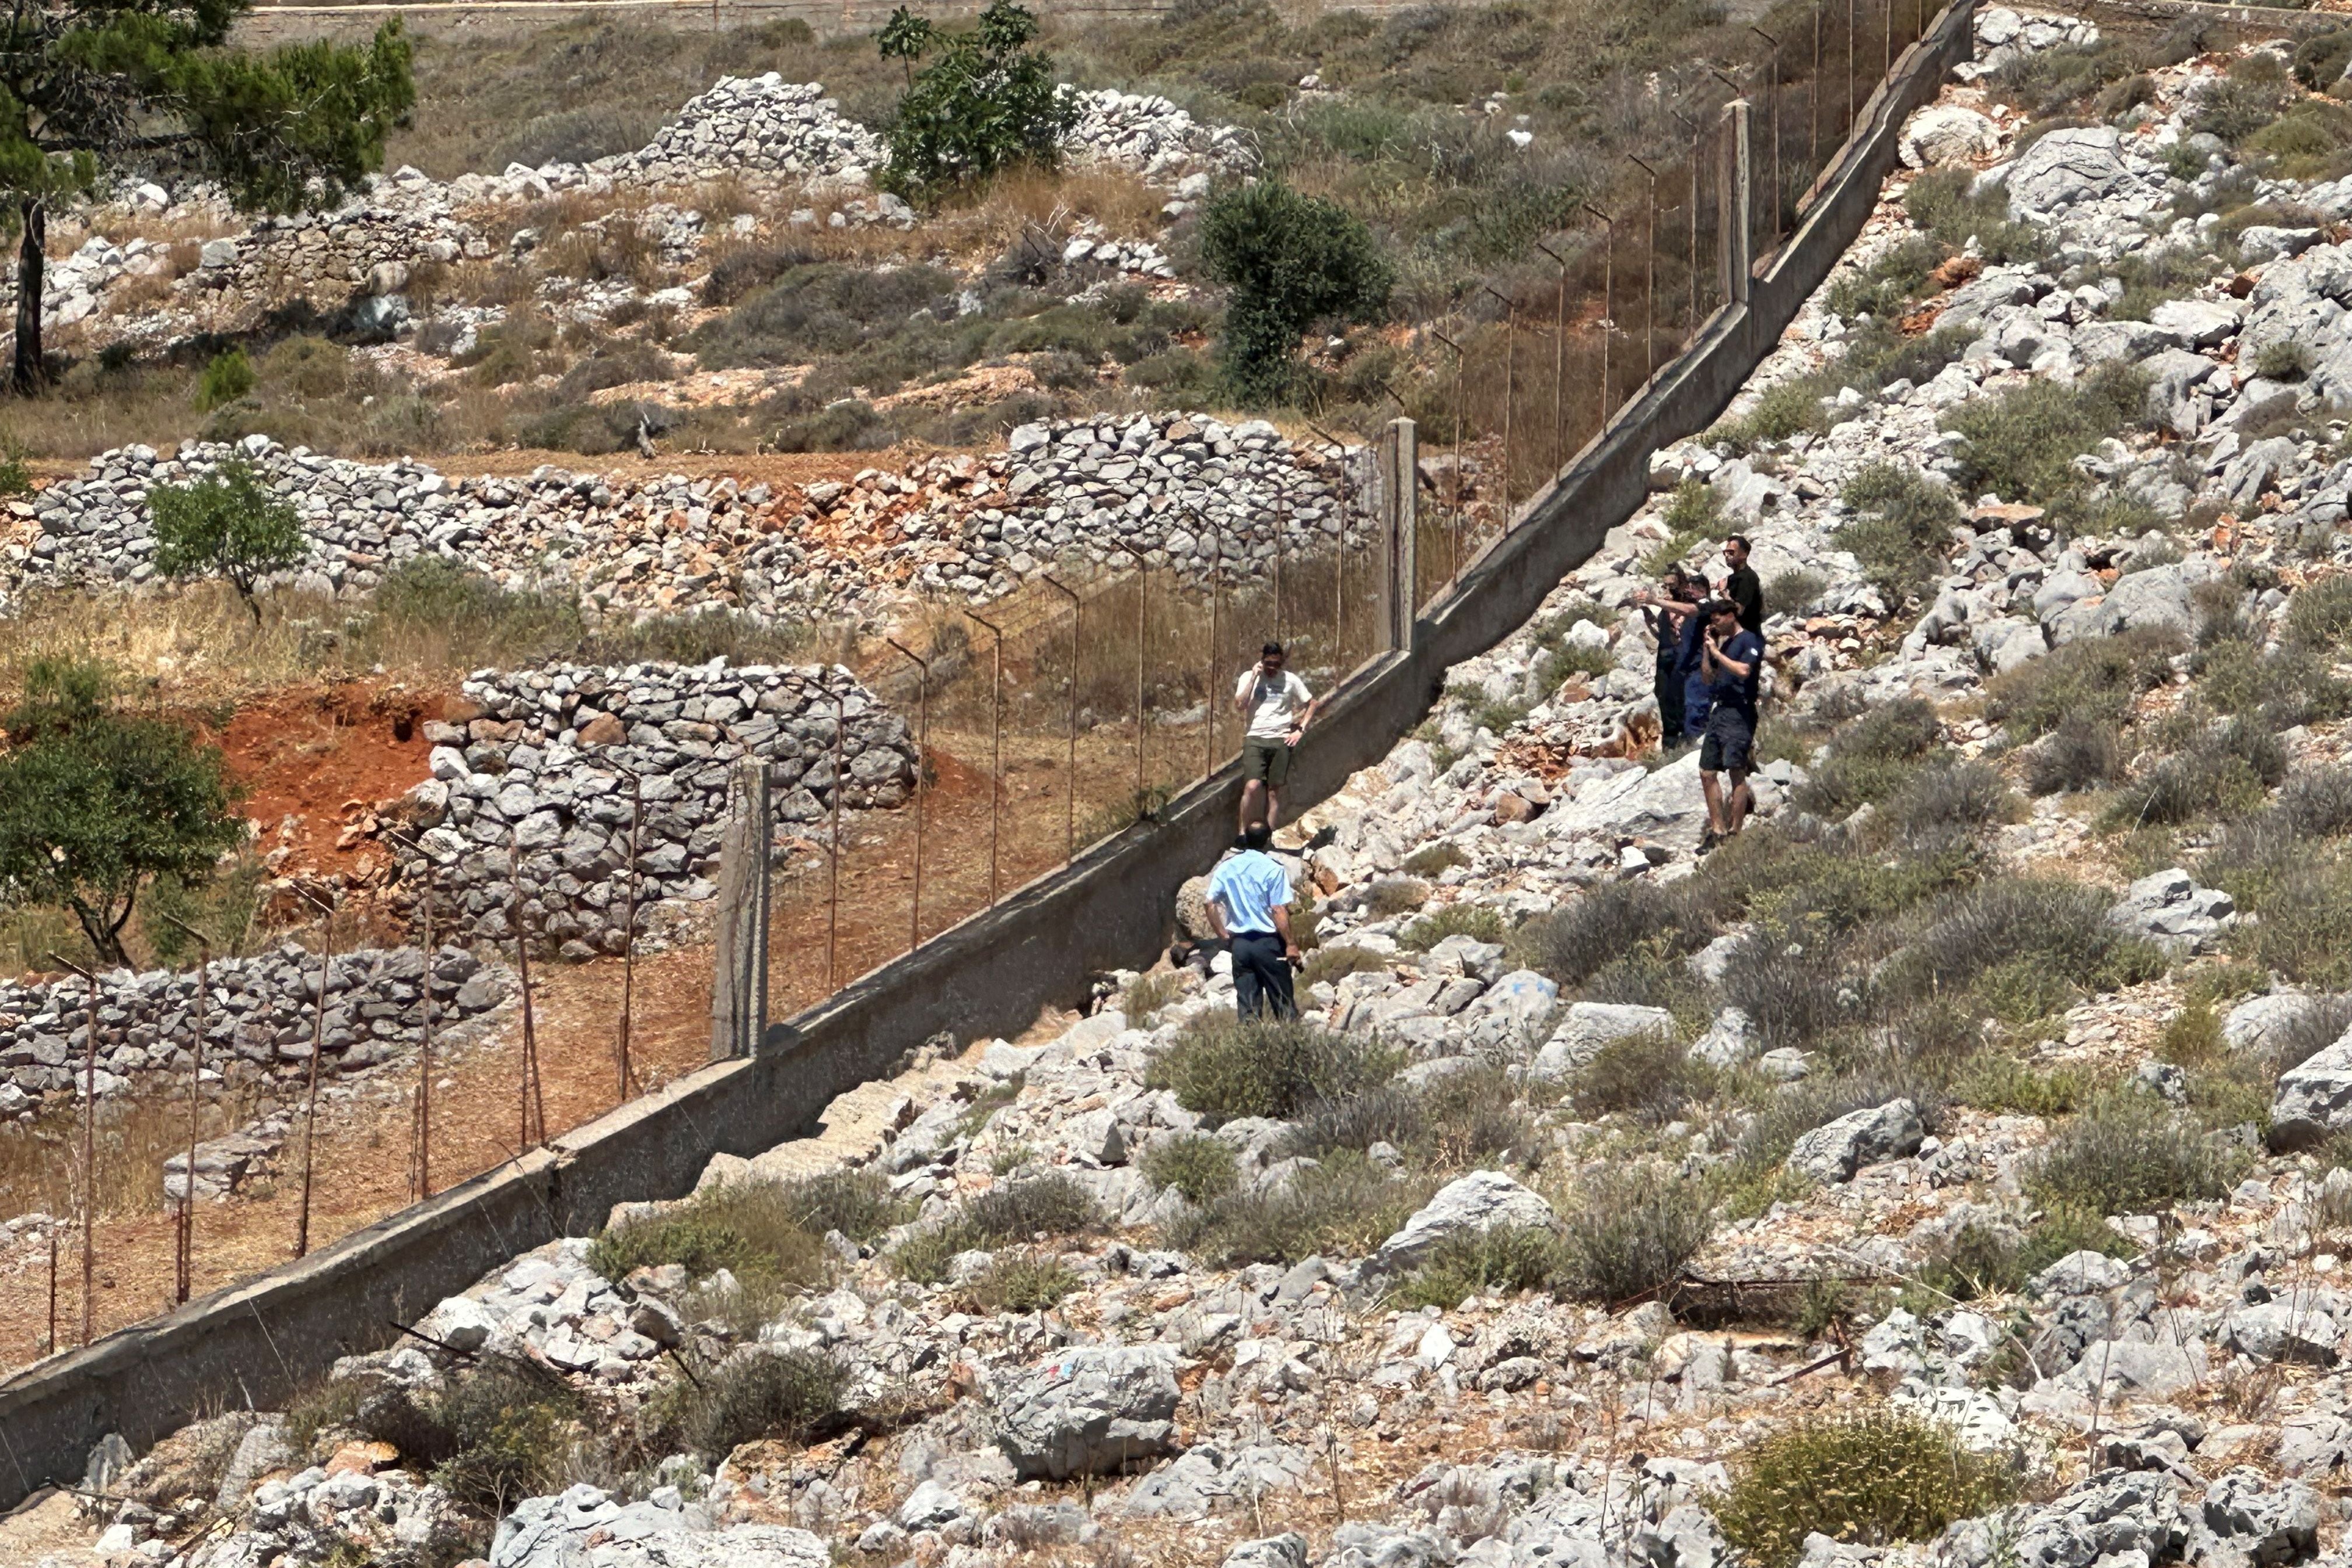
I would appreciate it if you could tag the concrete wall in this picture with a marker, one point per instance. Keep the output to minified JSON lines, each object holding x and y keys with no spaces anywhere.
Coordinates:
{"x":989,"y":975}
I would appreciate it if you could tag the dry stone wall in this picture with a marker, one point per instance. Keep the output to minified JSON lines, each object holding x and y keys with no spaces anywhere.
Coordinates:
{"x":544,"y":771}
{"x":259,"y":1015}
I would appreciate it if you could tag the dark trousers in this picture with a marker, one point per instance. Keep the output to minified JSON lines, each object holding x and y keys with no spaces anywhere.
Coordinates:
{"x":1670,"y":709}
{"x":1262,"y":977}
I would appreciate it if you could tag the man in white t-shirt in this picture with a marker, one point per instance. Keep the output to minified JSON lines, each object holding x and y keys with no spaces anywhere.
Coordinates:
{"x":1276,"y":709}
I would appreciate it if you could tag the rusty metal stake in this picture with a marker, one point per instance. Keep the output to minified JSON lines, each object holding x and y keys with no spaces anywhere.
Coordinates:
{"x":51,"y":1348}
{"x":1559,"y":365}
{"x":88,"y":1165}
{"x":1454,"y":550}
{"x":622,"y":1040}
{"x":1775,"y":101}
{"x":1650,"y":275}
{"x":1608,"y":299}
{"x":833,"y":856}
{"x":1142,"y":612}
{"x":1510,"y":363}
{"x":528,"y":1093}
{"x":1814,"y":99}
{"x":318,"y":1048}
{"x":996,"y":738}
{"x":1216,"y":583}
{"x":1853,"y":17}
{"x":184,"y":1261}
{"x":922,"y":743}
{"x":1070,"y":768}
{"x":1690,"y":253}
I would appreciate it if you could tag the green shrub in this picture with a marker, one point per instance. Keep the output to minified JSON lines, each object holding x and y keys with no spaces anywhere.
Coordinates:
{"x":1794,"y":591}
{"x":2099,"y":678}
{"x":1629,"y":1233}
{"x":1779,"y":412}
{"x":1336,"y":963}
{"x":2234,"y":110}
{"x":1901,"y":531}
{"x":1654,"y":1078}
{"x":1693,"y":517}
{"x":1497,"y":1262}
{"x":1196,"y":1164}
{"x":2304,"y":932}
{"x":2320,"y":59}
{"x":755,"y":1393}
{"x":1145,"y":995}
{"x":1479,"y":923}
{"x":492,"y":1439}
{"x":226,"y":524}
{"x":2228,"y":769}
{"x":1871,"y":758}
{"x":2319,"y":615}
{"x":1432,"y":859}
{"x":985,"y":103}
{"x":1997,"y":1080}
{"x":1869,"y":1480}
{"x":1020,"y":1280}
{"x":1595,"y":929}
{"x":2128,"y":1153}
{"x":1888,"y":285}
{"x":1288,"y":260}
{"x":1392,"y":896}
{"x":771,"y":1231}
{"x":227,"y":376}
{"x":1948,"y":797}
{"x":2029,"y":947}
{"x":1010,"y":1211}
{"x":1223,"y":1068}
{"x":2084,"y":751}
{"x":2022,"y":445}
{"x":1346,"y":1206}
{"x":1944,"y":202}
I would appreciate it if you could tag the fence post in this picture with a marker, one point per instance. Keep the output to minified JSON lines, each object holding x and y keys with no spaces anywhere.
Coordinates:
{"x":740,"y":854}
{"x":1399,"y":473}
{"x":1734,"y":232}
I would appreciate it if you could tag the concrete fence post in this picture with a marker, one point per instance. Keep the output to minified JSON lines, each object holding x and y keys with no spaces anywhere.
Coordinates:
{"x":1735,"y":228}
{"x":1396,"y":471}
{"x":739,"y":971}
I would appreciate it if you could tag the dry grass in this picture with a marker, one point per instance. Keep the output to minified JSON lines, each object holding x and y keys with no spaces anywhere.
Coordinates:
{"x":135,"y":1133}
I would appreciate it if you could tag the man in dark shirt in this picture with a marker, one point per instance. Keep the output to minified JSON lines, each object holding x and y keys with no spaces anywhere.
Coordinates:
{"x":1731,"y":658}
{"x":1668,"y":619}
{"x":1741,"y":586}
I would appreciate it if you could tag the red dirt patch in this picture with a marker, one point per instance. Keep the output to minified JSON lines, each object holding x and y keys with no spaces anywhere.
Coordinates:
{"x":309,"y":759}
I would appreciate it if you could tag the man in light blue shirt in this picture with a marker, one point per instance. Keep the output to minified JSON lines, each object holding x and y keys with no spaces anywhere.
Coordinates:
{"x":1249,"y":903}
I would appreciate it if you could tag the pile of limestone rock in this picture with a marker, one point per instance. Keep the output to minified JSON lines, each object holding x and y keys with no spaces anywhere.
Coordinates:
{"x":555,"y":765}
{"x":259,"y":1016}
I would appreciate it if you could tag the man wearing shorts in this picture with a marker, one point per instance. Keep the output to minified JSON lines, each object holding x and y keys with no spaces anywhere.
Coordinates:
{"x":1732,"y":659}
{"x":1276,"y":709}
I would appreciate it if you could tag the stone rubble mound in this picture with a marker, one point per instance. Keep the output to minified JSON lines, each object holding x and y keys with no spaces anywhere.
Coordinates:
{"x":259,"y":1017}
{"x":760,"y":124}
{"x":543,"y":767}
{"x":1147,"y":133}
{"x":965,"y":526}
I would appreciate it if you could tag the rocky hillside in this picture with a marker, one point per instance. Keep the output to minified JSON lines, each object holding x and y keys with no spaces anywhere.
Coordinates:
{"x":1946,"y":1171}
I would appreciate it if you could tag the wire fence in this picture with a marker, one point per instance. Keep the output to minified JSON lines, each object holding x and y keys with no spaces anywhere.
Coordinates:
{"x":1082,"y":702}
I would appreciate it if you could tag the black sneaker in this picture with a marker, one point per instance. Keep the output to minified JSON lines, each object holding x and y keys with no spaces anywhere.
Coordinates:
{"x":1241,"y":841}
{"x":1324,"y":838}
{"x":1708,"y":840}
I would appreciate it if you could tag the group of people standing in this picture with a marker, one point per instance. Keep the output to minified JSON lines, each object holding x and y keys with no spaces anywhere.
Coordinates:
{"x":1711,"y":668}
{"x":1711,"y":672}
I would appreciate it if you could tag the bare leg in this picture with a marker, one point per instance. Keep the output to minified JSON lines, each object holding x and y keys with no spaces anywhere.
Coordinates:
{"x":1273,"y":805}
{"x":1743,"y":800}
{"x":1249,"y":798}
{"x":1713,"y":789}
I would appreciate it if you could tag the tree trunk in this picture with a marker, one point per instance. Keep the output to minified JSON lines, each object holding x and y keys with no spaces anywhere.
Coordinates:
{"x":31,"y":264}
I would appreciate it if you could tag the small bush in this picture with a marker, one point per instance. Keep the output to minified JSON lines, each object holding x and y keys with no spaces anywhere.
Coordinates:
{"x":1779,"y":412}
{"x":1693,"y":517}
{"x":1010,"y":1211}
{"x":1794,"y":591}
{"x":2234,"y":110}
{"x":755,"y":1393}
{"x":228,"y":375}
{"x":2128,"y":1153}
{"x":771,"y":1231}
{"x":1345,"y":1206}
{"x":1792,"y":979}
{"x":1392,"y":896}
{"x":1432,"y":859}
{"x":2099,"y":678}
{"x":2304,"y":932}
{"x":1944,"y":202}
{"x":2226,"y":769}
{"x":1335,"y":964}
{"x":1995,"y":1080}
{"x":1222,"y":1069}
{"x":1902,"y":529}
{"x":1595,"y":929}
{"x":2022,"y":444}
{"x":507,"y":1430}
{"x":1870,"y":1479}
{"x":1476,"y":922}
{"x":1888,"y":285}
{"x":1199,"y":1166}
{"x":1629,"y":1232}
{"x":2084,"y":751}
{"x":2319,"y":615}
{"x":1654,"y":1078}
{"x":1497,"y":1262}
{"x":2026,"y":942}
{"x":1020,"y":1280}
{"x":1145,"y":995}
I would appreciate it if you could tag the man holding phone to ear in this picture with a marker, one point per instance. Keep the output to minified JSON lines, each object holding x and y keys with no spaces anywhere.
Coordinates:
{"x":1276,"y":708}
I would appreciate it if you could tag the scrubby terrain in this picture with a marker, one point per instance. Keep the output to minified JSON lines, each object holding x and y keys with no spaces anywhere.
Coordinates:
{"x":1950,"y":1170}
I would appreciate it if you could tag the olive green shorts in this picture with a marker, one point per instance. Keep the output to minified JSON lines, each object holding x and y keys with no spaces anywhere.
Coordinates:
{"x":1268,"y":762}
